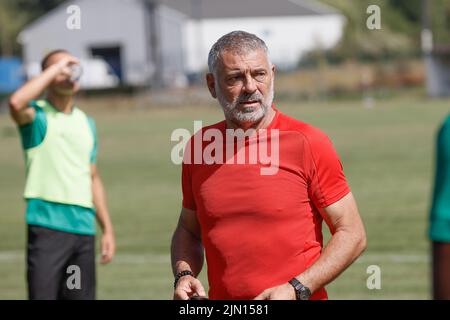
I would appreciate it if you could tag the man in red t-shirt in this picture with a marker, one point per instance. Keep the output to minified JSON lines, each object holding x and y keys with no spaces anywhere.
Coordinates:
{"x":256,"y":188}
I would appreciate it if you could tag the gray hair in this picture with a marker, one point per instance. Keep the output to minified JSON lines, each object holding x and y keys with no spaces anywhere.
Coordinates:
{"x":239,"y":42}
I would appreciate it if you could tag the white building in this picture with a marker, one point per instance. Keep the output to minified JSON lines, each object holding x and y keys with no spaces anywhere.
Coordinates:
{"x":290,"y":28}
{"x":159,"y":41}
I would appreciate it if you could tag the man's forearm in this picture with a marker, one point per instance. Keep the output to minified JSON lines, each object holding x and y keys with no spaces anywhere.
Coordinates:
{"x":33,"y":88}
{"x":186,"y":252}
{"x":100,"y":205}
{"x":342,"y":249}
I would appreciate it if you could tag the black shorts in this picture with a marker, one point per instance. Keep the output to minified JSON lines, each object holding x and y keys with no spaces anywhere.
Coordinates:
{"x":60,"y":265}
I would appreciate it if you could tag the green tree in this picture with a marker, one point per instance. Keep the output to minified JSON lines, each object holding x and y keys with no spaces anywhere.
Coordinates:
{"x":399,"y":34}
{"x":11,"y":22}
{"x":15,"y":15}
{"x":440,"y":21}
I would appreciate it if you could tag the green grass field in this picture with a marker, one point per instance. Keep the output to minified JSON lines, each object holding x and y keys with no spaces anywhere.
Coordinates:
{"x":387,"y":153}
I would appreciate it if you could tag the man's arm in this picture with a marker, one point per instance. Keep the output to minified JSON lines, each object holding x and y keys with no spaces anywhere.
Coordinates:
{"x":187,"y":255}
{"x":347,"y":243}
{"x":108,"y":246}
{"x":21,"y":113}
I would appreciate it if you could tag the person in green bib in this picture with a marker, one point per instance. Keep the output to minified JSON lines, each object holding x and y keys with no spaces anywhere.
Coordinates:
{"x":63,"y":190}
{"x":439,"y":227}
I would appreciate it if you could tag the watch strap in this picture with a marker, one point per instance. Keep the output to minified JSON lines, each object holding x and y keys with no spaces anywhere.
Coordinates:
{"x":301,"y":292}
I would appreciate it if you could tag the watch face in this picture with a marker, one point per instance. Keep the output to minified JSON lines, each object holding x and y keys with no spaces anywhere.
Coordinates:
{"x":305,"y":294}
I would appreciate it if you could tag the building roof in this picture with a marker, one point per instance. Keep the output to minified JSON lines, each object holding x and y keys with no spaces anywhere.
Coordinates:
{"x":214,"y":9}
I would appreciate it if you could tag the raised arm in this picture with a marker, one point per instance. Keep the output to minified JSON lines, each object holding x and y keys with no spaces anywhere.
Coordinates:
{"x":18,"y":102}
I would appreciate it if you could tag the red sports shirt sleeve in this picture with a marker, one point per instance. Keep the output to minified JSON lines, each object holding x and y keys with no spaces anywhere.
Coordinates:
{"x":186,"y":178}
{"x":327,"y":182}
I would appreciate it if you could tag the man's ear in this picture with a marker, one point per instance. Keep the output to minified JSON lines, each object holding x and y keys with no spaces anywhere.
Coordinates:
{"x":210,"y":81}
{"x":273,"y":70}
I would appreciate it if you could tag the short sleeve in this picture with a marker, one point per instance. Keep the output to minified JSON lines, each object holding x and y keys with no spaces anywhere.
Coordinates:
{"x":327,"y":182}
{"x":32,"y":134}
{"x":93,"y":157}
{"x":186,"y":178}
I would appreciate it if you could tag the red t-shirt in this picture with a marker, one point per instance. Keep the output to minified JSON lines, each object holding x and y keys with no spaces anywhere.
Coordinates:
{"x":261,"y":230}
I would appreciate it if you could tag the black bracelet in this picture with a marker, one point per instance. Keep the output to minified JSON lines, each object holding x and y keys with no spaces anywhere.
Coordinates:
{"x":182,"y":274}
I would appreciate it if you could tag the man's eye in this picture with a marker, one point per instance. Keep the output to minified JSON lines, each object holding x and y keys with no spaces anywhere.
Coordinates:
{"x":260,"y":75}
{"x":234,"y":78}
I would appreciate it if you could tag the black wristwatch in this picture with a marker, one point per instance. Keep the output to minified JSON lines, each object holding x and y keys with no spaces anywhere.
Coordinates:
{"x":182,"y":274}
{"x":301,"y":292}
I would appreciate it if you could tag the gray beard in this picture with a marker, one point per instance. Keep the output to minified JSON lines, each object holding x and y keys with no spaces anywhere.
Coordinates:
{"x":232,"y":113}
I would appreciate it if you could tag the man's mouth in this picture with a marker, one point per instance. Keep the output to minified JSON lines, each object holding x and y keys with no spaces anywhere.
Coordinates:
{"x":249,"y":103}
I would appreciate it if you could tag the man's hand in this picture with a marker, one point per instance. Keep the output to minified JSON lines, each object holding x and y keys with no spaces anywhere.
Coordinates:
{"x":188,"y":287}
{"x":63,"y":66}
{"x":108,"y":247}
{"x":282,"y":292}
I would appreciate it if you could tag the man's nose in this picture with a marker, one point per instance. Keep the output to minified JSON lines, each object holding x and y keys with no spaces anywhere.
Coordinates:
{"x":249,"y":84}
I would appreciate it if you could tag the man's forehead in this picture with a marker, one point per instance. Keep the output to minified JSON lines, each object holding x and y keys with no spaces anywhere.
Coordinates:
{"x":57,"y":56}
{"x":237,"y":60}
